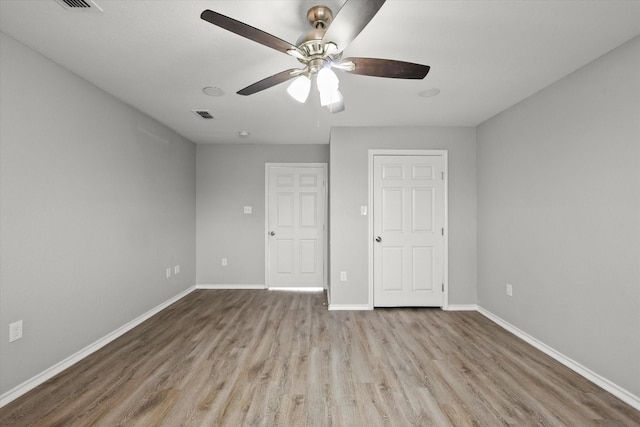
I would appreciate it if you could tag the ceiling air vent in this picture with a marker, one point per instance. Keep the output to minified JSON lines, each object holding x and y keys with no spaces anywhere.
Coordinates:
{"x":204,"y":114}
{"x":80,"y":5}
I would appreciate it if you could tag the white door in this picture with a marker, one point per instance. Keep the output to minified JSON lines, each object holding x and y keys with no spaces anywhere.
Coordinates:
{"x":408,"y":228}
{"x":296,"y":225}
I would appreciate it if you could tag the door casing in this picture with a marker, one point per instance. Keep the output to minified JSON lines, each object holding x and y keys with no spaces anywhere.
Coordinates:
{"x":444,"y":154}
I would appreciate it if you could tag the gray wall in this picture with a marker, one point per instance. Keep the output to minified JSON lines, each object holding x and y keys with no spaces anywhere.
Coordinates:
{"x":97,"y":200}
{"x":229,"y":177}
{"x":559,"y":215}
{"x":349,"y":190}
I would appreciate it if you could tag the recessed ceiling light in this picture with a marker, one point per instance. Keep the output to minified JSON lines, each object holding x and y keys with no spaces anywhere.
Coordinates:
{"x":429,"y":92}
{"x":244,"y":134}
{"x":213,"y":91}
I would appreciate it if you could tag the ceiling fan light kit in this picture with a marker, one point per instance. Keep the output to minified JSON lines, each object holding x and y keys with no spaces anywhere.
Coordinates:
{"x":319,"y":50}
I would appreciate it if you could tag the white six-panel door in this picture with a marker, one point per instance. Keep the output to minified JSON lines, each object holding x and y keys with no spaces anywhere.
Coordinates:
{"x":295,"y":225}
{"x":408,"y":228}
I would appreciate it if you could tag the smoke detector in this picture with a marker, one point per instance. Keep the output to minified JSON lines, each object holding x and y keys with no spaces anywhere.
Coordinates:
{"x":213,"y":91}
{"x":428,"y":93}
{"x":80,"y":5}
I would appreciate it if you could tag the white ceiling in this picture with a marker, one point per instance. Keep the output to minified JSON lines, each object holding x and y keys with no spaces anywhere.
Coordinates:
{"x":158,"y":56}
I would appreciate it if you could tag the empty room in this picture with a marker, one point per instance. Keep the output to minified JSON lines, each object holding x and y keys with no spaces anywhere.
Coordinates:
{"x":305,"y":213}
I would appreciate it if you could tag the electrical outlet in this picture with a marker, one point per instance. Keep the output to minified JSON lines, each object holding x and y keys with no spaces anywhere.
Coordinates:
{"x":248,"y":210}
{"x":343,"y":276}
{"x":15,"y":331}
{"x":168,"y":272}
{"x":224,"y":262}
{"x":176,"y":269}
{"x":509,"y":290}
{"x":363,"y":210}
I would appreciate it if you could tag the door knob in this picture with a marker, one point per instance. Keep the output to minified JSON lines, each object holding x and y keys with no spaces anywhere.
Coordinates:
{"x":272,"y":233}
{"x":378,"y":239}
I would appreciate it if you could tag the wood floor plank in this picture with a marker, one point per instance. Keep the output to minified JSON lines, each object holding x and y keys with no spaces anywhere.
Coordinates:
{"x":261,"y":358}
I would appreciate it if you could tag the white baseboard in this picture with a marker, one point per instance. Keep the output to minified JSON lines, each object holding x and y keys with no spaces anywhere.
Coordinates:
{"x":451,"y":307}
{"x":49,"y":373}
{"x":599,"y":380}
{"x":223,"y":286}
{"x":462,"y":307}
{"x":337,"y":307}
{"x":312,"y":290}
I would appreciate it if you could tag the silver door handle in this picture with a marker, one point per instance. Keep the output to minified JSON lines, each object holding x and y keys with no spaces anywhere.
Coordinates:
{"x":378,"y":239}
{"x":272,"y":233}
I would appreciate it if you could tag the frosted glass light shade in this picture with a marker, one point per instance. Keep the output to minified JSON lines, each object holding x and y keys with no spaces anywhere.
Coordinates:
{"x":299,"y":89}
{"x":325,"y":98}
{"x":337,"y":102}
{"x":327,"y":80}
{"x":327,"y":83}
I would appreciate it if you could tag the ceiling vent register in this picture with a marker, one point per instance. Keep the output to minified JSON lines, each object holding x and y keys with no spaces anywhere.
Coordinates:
{"x":80,"y":5}
{"x":203,"y":113}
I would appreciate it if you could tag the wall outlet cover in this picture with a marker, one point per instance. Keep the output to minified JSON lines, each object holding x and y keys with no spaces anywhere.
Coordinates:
{"x":15,"y":331}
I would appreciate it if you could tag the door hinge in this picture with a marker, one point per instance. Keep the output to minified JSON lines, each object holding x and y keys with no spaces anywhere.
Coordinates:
{"x":442,"y":175}
{"x":443,"y":231}
{"x":443,"y":287}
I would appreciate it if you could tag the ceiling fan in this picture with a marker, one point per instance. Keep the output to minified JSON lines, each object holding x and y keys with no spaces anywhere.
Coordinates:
{"x":320,"y":50}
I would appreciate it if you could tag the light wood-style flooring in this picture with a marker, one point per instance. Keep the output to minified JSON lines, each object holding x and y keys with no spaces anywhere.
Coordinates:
{"x":251,"y":357}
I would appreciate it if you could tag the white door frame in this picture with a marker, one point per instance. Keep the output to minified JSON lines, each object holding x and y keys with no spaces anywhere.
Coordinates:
{"x":325,"y":254}
{"x":443,"y":153}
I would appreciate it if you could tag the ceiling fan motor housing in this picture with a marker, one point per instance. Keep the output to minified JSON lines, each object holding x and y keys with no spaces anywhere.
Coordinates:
{"x":311,"y":43}
{"x":316,"y":53}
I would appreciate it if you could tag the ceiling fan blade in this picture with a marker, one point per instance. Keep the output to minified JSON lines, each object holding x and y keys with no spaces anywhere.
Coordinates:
{"x":350,"y":21}
{"x":245,"y":30}
{"x":384,"y":68}
{"x":276,"y":79}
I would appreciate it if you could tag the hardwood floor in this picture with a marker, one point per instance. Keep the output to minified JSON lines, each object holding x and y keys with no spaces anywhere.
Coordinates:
{"x":233,"y":358}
